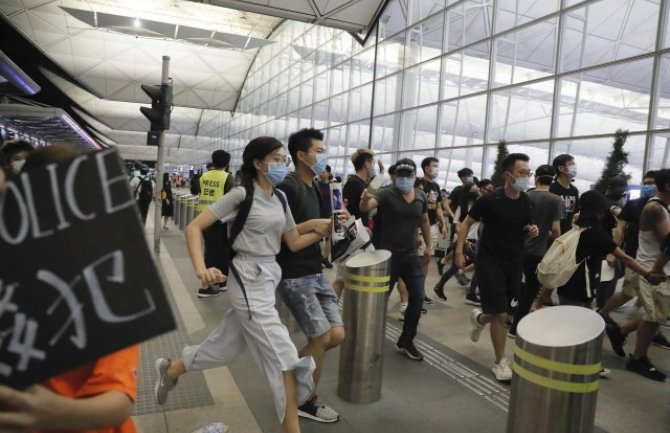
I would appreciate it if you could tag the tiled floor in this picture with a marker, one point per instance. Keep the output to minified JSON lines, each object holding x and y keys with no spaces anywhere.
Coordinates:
{"x":452,"y":391}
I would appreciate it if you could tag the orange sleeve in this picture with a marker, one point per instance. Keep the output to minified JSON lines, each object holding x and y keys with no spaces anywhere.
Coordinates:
{"x":114,"y":372}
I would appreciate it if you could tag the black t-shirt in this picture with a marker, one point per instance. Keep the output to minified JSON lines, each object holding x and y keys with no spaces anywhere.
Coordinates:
{"x":326,"y":204}
{"x":399,"y":220}
{"x":455,"y":198}
{"x":304,"y":201}
{"x":594,"y":245}
{"x":631,"y":213}
{"x":434,"y":199}
{"x":352,"y":192}
{"x":504,"y":220}
{"x":570,"y":197}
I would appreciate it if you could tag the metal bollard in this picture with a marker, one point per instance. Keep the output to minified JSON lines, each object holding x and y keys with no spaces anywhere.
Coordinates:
{"x":183,"y":217}
{"x":556,"y":365}
{"x":190,"y":212}
{"x":177,"y":208}
{"x":364,"y":316}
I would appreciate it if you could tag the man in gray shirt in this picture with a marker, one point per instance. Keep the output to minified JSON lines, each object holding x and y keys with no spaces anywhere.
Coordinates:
{"x":547,"y":213}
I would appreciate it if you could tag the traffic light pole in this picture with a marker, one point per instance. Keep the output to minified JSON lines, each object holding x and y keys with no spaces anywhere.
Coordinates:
{"x":165,"y":79}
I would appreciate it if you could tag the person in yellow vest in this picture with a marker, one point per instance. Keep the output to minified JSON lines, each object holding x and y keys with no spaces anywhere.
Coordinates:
{"x":213,"y":185}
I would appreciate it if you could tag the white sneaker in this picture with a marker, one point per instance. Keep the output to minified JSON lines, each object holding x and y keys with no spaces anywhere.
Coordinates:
{"x":475,"y":326}
{"x":217,"y":427}
{"x":604,"y":373}
{"x":403,"y":307}
{"x":501,"y":371}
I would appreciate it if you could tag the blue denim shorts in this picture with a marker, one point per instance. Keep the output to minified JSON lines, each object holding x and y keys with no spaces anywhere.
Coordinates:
{"x":313,"y":303}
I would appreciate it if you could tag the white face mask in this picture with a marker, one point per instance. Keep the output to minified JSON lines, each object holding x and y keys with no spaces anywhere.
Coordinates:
{"x":18,"y":165}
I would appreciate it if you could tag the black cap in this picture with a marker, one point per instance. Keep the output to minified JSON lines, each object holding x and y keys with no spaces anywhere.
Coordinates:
{"x":406,"y":165}
{"x":618,"y":182}
{"x":592,"y":204}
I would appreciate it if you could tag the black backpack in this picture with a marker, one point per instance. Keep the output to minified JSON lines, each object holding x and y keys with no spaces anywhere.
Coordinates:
{"x":238,"y":224}
{"x":145,"y":190}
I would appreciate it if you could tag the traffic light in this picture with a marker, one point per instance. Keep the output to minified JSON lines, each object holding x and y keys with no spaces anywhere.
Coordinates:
{"x":161,"y":106}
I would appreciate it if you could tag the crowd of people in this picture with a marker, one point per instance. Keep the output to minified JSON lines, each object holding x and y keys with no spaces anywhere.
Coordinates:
{"x":264,"y":229}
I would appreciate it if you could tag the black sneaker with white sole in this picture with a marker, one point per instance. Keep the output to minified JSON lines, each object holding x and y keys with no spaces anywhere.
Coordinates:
{"x":660,"y":341}
{"x":409,"y":349}
{"x":644,"y":367}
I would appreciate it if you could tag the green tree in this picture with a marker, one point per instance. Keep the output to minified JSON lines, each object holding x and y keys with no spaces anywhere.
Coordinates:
{"x":498,"y":179}
{"x":616,"y":161}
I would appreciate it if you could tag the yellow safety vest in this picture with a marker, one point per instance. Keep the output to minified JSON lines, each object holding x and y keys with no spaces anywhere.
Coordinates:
{"x":211,"y":188}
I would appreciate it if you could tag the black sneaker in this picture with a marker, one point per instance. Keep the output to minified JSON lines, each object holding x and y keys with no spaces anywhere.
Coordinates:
{"x":644,"y":367}
{"x":473,"y":300}
{"x":408,"y":348}
{"x":314,"y":409}
{"x":660,"y":341}
{"x":440,"y":266}
{"x":223,"y":286}
{"x":209,"y":292}
{"x":326,"y":263}
{"x":439,"y":292}
{"x":427,"y":300}
{"x":617,"y":339}
{"x":608,"y":320}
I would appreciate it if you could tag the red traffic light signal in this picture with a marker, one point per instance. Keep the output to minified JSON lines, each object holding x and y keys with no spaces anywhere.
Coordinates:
{"x":161,"y":105}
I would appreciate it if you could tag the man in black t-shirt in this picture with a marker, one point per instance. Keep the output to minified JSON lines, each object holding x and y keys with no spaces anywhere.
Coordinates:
{"x":566,"y":170}
{"x":506,"y":214}
{"x":303,"y":288}
{"x":431,"y":170}
{"x":401,"y":210}
{"x":466,"y":175}
{"x":364,"y":164}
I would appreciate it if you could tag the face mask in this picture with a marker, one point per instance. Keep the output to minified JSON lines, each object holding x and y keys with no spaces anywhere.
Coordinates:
{"x":433,"y":174}
{"x":320,"y":164}
{"x":648,"y":191}
{"x":373,"y":172}
{"x":404,"y":184}
{"x":572,"y":171}
{"x":18,"y":165}
{"x":521,"y":184}
{"x":276,"y":173}
{"x":470,"y":179}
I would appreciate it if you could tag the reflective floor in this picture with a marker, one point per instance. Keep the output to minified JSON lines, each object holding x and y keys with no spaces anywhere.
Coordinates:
{"x":452,"y":390}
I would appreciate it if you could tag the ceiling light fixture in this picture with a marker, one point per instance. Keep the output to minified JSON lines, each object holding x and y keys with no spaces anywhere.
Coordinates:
{"x":137,"y":22}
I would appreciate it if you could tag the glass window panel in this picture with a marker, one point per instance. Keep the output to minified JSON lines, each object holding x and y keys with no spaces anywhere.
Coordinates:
{"x":306,"y":92}
{"x":526,"y":54}
{"x":452,"y":160}
{"x":603,"y":100}
{"x":362,"y":67}
{"x":466,"y":71}
{"x":521,"y":113}
{"x":662,"y":120}
{"x":590,"y":155}
{"x":421,"y":84}
{"x":293,"y":99}
{"x":341,"y":76}
{"x":659,"y":152}
{"x":511,"y":13}
{"x":420,"y":9}
{"x":424,"y":40}
{"x":537,"y":152}
{"x":463,"y":122}
{"x":393,"y":18}
{"x":338,"y":109}
{"x":666,"y":38}
{"x":358,"y":136}
{"x":320,"y":114}
{"x":390,"y":55}
{"x":608,"y":30}
{"x":363,"y":98}
{"x":335,"y":141}
{"x":387,"y":95}
{"x":468,"y":22}
{"x":322,"y":86}
{"x":418,"y":128}
{"x":305,"y":118}
{"x":383,"y":132}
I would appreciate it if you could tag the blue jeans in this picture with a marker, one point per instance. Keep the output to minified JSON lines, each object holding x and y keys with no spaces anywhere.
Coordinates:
{"x":409,"y":269}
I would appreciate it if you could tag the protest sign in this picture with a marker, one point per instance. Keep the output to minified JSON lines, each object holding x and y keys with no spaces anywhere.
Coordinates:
{"x":77,"y":280}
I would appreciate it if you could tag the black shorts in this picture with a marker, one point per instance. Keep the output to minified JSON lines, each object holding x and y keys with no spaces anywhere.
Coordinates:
{"x":217,"y":253}
{"x":499,"y":282}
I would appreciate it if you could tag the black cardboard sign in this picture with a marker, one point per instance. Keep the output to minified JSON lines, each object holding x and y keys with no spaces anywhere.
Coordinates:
{"x":77,"y":280}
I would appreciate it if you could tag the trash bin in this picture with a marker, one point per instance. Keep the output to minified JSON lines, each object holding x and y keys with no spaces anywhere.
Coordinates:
{"x":556,"y":366}
{"x":364,"y":316}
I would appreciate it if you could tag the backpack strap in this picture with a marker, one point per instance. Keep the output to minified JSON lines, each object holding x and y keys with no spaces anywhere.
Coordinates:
{"x":238,"y":224}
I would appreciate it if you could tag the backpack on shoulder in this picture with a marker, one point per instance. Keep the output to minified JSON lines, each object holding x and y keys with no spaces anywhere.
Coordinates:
{"x":144,"y":190}
{"x":560,"y":261}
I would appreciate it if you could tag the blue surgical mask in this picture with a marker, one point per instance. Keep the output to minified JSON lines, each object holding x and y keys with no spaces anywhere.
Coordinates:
{"x":434,"y":174}
{"x":404,"y":184}
{"x":572,"y":171}
{"x":276,"y":173}
{"x":648,"y":191}
{"x":320,"y":164}
{"x":373,"y":173}
{"x":521,"y":184}
{"x":470,"y":179}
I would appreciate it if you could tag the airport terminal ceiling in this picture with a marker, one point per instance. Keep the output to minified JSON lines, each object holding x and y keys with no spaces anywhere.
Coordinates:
{"x":435,"y":77}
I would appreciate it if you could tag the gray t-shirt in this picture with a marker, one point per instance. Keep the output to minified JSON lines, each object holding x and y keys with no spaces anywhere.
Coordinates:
{"x":547,"y":208}
{"x":267,"y":221}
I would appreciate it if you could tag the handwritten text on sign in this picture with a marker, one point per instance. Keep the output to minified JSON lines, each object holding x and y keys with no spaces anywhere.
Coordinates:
{"x":77,"y":280}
